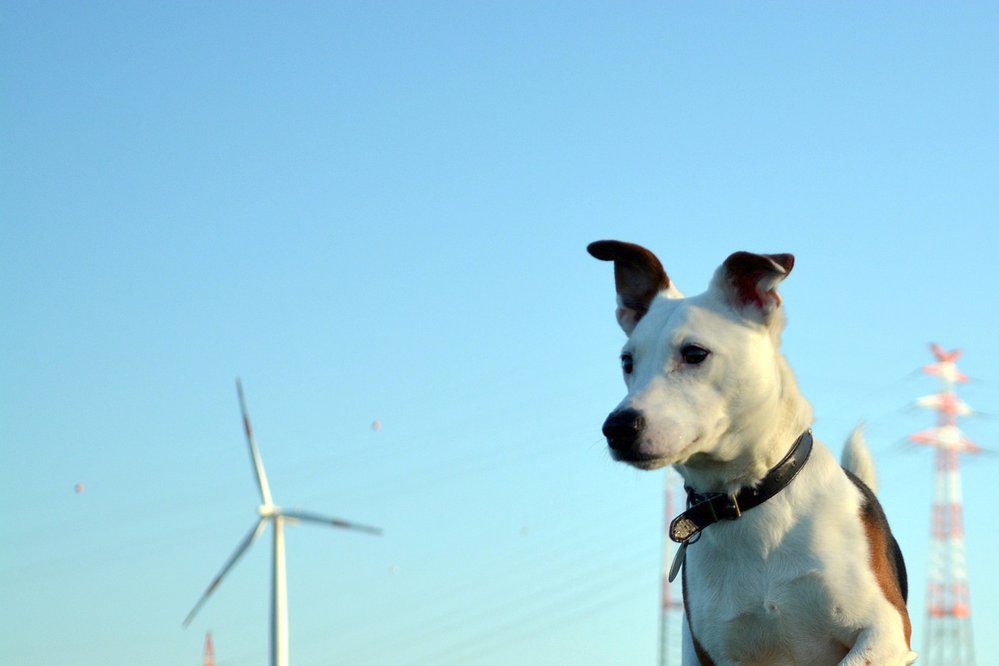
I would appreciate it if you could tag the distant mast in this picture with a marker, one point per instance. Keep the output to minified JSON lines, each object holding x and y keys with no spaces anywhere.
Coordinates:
{"x":668,"y":605}
{"x":209,"y":650}
{"x":948,"y":639}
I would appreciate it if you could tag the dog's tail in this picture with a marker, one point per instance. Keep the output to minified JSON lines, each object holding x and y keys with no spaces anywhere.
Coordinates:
{"x":856,"y":458}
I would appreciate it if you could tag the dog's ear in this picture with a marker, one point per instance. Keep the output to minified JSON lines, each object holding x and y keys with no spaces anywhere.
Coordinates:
{"x":749,"y":281}
{"x":638,"y":277}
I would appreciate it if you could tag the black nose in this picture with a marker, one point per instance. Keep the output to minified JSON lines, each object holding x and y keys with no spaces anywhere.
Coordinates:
{"x":622,"y":427}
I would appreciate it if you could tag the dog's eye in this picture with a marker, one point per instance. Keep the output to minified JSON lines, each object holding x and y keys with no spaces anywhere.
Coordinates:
{"x":627,"y":363}
{"x":693,"y":354}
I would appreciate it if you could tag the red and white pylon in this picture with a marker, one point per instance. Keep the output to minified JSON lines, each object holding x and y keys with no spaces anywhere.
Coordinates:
{"x":668,"y":605}
{"x":948,"y":639}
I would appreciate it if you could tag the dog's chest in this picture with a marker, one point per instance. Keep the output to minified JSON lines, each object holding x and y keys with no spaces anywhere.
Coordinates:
{"x":791,"y":607}
{"x":782,"y":619}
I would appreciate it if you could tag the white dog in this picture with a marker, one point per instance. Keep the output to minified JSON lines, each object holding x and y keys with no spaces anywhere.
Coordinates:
{"x":787,"y":557}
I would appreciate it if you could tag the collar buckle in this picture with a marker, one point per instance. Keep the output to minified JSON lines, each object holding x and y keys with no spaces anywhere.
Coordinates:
{"x":732,"y":510}
{"x":720,"y":505}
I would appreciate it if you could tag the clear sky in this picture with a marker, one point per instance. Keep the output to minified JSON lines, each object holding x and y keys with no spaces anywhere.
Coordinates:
{"x":378,"y":211}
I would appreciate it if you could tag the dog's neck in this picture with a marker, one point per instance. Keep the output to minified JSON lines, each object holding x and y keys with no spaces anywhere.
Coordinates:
{"x":760,"y":445}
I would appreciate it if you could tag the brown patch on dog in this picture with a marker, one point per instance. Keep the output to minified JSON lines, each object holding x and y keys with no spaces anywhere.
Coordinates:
{"x":884,"y":568}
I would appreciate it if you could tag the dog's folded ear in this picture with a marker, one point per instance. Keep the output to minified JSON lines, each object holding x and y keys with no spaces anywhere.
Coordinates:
{"x":749,"y":281}
{"x":638,"y":277}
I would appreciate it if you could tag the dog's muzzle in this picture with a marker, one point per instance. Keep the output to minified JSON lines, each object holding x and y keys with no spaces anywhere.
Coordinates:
{"x":622,"y":429}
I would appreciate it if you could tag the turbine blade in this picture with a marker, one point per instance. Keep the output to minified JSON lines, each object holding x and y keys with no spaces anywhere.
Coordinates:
{"x":329,"y":521}
{"x":244,"y":544}
{"x":258,"y":464}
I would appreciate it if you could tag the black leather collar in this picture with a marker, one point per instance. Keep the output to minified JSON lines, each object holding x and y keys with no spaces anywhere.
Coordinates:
{"x":709,"y":508}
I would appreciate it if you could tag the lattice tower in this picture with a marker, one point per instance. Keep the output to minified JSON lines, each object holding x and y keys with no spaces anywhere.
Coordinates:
{"x":948,"y":640}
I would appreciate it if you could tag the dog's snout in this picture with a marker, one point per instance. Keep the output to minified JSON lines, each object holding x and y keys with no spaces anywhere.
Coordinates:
{"x":622,"y":427}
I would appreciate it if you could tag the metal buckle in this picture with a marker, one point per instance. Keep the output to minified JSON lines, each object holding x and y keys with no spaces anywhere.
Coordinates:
{"x":729,"y":510}
{"x":733,"y":505}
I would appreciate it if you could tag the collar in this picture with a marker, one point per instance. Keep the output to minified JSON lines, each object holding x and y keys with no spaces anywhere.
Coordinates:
{"x":709,"y":508}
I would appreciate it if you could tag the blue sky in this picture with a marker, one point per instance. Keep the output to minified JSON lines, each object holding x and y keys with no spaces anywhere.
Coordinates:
{"x":379,"y":211}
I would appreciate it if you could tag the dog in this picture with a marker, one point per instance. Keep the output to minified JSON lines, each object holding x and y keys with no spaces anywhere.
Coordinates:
{"x":787,"y":557}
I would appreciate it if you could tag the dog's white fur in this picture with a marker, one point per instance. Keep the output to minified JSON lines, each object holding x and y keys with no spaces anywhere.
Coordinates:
{"x":794,"y":580}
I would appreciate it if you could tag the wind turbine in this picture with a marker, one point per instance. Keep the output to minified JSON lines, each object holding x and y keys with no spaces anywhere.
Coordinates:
{"x":278,"y":517}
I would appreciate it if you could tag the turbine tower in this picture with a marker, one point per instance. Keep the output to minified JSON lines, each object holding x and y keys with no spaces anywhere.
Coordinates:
{"x":948,"y":628}
{"x":269,"y":512}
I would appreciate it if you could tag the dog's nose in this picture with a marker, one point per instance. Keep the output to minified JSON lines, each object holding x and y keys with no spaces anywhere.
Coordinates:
{"x":622,"y":427}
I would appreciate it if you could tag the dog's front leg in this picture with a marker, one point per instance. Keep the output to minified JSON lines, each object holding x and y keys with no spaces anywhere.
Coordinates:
{"x":876,"y":647}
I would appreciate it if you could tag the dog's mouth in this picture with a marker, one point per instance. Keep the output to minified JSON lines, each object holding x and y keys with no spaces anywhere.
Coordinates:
{"x":635,"y":457}
{"x":639,"y":459}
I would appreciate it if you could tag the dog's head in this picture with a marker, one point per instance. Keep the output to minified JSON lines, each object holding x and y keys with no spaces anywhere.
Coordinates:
{"x":697,"y":369}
